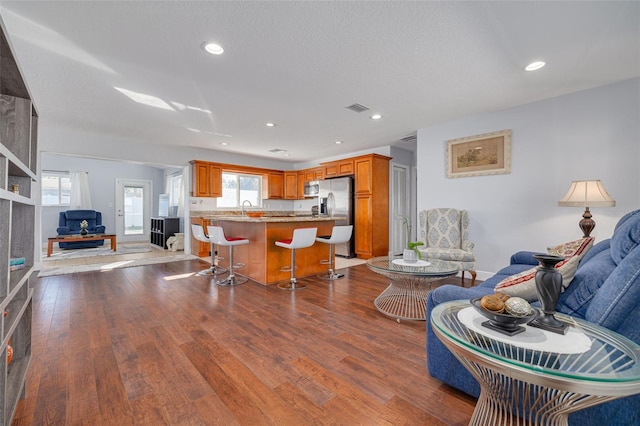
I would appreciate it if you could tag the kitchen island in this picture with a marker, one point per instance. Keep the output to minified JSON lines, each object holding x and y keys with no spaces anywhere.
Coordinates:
{"x":262,"y":259}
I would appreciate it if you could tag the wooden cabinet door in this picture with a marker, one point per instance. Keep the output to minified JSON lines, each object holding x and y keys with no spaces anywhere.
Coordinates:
{"x":345,"y":167}
{"x":309,"y":175}
{"x":363,"y":229}
{"x":331,"y":169}
{"x":207,"y":179}
{"x":200,"y":179}
{"x":301,"y":181}
{"x":318,"y":173}
{"x":274,"y":186}
{"x":291,"y":185}
{"x":364,"y":175}
{"x":199,"y":248}
{"x":215,"y":181}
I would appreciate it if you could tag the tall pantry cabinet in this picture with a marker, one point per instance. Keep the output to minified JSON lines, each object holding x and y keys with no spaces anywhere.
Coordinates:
{"x":18,"y":173}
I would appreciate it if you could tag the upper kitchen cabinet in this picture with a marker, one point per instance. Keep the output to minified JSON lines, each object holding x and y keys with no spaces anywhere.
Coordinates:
{"x":206,"y":179}
{"x":291,"y":186}
{"x":317,"y":173}
{"x":337,"y":168}
{"x":365,"y":166}
{"x":273,"y":185}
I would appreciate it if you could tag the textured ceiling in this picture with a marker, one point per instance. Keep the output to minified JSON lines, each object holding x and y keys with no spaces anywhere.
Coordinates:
{"x":299,"y":64}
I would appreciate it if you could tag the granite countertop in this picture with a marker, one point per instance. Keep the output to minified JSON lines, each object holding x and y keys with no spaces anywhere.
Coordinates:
{"x":238,"y":218}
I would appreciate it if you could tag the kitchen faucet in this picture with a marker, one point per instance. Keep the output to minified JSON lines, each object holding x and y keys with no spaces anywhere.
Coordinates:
{"x":243,"y":203}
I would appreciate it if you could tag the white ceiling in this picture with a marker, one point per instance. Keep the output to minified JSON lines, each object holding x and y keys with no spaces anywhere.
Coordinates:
{"x":299,"y":64}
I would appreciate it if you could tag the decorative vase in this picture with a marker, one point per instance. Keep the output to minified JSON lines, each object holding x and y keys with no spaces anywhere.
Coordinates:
{"x":409,"y":256}
{"x":548,"y":286}
{"x":83,"y":231}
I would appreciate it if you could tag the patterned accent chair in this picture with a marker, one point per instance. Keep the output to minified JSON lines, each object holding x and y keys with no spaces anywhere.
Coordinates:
{"x":445,"y":234}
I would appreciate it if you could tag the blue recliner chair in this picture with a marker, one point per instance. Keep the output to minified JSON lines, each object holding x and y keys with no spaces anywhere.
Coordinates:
{"x":69,"y":224}
{"x":604,"y":291}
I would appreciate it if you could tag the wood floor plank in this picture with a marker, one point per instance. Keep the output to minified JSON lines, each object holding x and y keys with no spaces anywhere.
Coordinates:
{"x":159,"y":344}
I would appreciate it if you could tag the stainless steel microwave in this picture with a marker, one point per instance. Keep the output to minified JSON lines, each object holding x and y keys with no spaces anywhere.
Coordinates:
{"x":312,"y":188}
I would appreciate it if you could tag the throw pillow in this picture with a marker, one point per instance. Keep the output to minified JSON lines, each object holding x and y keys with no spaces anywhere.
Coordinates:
{"x":524,"y":284}
{"x":573,"y":248}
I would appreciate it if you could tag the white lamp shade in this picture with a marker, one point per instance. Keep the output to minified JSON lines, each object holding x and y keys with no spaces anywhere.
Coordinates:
{"x":587,"y":193}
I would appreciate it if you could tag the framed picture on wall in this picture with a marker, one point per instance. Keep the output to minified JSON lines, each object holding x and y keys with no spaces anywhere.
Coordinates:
{"x":487,"y":154}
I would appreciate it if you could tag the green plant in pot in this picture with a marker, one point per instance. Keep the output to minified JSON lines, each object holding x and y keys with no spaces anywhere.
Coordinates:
{"x":411,"y":245}
{"x":414,"y":245}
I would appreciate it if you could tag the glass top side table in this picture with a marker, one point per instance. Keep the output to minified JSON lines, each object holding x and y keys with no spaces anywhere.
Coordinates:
{"x":405,"y":297}
{"x":522,"y":385}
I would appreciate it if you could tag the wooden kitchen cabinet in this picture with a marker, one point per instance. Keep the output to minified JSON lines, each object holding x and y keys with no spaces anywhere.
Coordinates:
{"x":317,"y":173}
{"x":291,"y":186}
{"x":199,"y":248}
{"x":273,"y":185}
{"x":206,"y":179}
{"x":371,"y":207}
{"x":338,"y":168}
{"x":301,"y":177}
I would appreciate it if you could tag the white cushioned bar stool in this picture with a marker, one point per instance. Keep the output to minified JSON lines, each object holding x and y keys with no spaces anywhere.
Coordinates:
{"x":216,"y":235}
{"x":340,"y":234}
{"x":198,"y":234}
{"x":302,"y":238}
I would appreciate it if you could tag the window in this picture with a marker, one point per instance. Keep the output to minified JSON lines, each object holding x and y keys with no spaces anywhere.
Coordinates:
{"x":175,"y":190}
{"x":56,"y":188}
{"x":237,"y":188}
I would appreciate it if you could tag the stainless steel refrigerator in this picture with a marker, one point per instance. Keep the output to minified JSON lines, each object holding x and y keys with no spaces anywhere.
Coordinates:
{"x":335,"y":199}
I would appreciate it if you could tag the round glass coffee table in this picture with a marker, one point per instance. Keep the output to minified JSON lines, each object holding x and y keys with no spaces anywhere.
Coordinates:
{"x":405,"y":298}
{"x":538,"y":376}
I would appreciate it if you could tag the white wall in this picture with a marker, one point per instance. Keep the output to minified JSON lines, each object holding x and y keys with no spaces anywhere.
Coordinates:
{"x":593,"y":134}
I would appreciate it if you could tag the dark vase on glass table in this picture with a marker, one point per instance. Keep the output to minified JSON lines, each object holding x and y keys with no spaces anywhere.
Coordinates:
{"x":548,"y":286}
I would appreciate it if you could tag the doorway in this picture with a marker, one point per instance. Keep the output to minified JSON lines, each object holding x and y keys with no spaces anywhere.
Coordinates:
{"x":400,"y":208}
{"x":133,"y":210}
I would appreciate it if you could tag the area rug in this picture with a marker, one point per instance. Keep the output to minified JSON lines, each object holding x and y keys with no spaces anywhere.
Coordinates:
{"x":113,"y":265}
{"x":98,"y":251}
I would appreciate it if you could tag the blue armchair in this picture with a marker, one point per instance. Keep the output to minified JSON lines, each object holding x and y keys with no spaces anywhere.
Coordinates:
{"x":69,"y":224}
{"x":604,"y":291}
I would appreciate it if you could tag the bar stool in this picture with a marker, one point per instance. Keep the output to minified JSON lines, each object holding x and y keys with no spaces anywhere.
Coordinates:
{"x":216,"y":235}
{"x":340,"y":234}
{"x":302,"y":237}
{"x":198,"y":234}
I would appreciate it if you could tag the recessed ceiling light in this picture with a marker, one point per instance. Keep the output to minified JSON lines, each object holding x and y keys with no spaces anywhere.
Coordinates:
{"x":271,"y":125}
{"x":338,"y":142}
{"x":533,"y":66}
{"x":376,"y":117}
{"x":212,"y":48}
{"x":287,"y":155}
{"x":224,"y":143}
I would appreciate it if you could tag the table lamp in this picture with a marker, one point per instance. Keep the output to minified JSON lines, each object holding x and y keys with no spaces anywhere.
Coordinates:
{"x":587,"y":193}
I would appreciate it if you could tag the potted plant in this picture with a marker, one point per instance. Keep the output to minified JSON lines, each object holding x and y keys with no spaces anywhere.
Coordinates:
{"x":411,"y":245}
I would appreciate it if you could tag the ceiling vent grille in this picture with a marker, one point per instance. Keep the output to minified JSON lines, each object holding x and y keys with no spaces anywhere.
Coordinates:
{"x":410,"y":138}
{"x":357,"y":108}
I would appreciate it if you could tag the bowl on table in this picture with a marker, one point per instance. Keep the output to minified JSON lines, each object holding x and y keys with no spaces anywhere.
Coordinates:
{"x":502,"y":322}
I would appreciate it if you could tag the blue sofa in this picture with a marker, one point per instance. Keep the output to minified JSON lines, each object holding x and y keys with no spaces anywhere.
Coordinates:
{"x":604,"y":291}
{"x":69,"y":223}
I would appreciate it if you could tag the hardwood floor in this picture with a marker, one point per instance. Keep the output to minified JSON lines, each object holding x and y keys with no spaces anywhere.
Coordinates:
{"x":155,"y":345}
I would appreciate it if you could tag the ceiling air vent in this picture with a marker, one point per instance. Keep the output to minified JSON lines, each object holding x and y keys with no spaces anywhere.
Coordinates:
{"x":277,"y":150}
{"x":410,"y":138}
{"x":357,"y":108}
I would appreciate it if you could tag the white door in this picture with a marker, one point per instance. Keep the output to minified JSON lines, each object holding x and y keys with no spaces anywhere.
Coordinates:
{"x":133,"y":210}
{"x":400,"y":208}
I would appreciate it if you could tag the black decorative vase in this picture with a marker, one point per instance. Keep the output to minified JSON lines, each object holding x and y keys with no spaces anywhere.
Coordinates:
{"x":83,"y":231}
{"x":548,"y":287}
